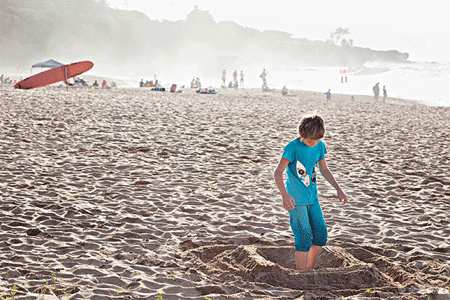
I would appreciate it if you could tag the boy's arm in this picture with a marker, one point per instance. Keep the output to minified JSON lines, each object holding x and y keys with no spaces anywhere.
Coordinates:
{"x":326,"y":173}
{"x":288,"y":201}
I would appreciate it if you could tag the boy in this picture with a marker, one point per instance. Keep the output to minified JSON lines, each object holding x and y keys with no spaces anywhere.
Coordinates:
{"x":301,"y":157}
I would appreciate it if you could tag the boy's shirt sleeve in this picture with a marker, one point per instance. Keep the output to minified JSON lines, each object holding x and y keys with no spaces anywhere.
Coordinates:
{"x":323,"y":150}
{"x":289,"y":153}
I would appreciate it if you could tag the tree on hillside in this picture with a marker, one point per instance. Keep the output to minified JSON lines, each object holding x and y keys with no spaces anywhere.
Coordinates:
{"x":336,"y":36}
{"x":347,"y":43}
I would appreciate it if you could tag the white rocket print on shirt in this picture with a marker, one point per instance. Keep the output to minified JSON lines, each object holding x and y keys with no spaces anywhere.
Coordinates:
{"x":301,"y":170}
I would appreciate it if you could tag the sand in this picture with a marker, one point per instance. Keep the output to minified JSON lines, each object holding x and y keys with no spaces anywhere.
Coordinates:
{"x":134,"y":194}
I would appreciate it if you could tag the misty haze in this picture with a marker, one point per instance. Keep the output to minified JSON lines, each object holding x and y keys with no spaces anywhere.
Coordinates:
{"x":129,"y":44}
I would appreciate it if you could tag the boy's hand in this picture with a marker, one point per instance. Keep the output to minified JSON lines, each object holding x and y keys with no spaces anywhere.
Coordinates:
{"x":288,"y":202}
{"x":342,"y":197}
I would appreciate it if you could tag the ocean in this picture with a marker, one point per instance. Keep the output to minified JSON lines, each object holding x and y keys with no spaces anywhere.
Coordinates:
{"x":421,"y":81}
{"x":418,"y":81}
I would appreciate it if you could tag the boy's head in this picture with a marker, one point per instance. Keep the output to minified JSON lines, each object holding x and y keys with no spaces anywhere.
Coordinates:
{"x":311,"y":127}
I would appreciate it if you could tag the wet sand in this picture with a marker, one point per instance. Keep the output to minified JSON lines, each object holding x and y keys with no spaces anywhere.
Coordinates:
{"x":131,"y":194}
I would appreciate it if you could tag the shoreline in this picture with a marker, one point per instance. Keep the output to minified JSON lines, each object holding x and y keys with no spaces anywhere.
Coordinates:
{"x":130,"y":83}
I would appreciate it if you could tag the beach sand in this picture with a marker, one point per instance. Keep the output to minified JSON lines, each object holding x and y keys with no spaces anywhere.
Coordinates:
{"x":131,"y":194}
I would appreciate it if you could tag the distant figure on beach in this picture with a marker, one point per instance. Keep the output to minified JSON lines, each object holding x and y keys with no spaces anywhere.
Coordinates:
{"x":376,"y":90}
{"x":300,"y":159}
{"x":95,"y":83}
{"x":224,"y":78}
{"x":235,"y":81}
{"x":284,"y":91}
{"x":104,"y":84}
{"x":141,"y":84}
{"x":1,"y":78}
{"x":328,"y":94}
{"x":384,"y":94}
{"x":242,"y":79}
{"x":352,"y":98}
{"x":263,"y":77}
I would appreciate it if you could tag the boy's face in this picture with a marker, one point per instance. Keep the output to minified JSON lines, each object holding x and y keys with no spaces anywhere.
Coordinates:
{"x":309,"y":142}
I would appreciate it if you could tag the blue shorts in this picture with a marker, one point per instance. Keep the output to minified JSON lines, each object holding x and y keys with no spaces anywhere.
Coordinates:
{"x":309,"y":226}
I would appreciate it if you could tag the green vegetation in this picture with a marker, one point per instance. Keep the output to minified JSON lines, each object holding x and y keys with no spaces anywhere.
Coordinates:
{"x":13,"y":291}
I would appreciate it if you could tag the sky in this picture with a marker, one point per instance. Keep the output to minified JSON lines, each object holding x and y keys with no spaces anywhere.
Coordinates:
{"x":416,"y":27}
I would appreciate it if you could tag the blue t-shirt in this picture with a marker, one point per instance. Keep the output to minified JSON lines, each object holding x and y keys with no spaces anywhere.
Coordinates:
{"x":302,"y":169}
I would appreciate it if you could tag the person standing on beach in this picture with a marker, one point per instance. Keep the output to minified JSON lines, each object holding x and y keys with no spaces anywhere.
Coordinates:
{"x":384,"y":94}
{"x":328,"y":94}
{"x":300,"y":159}
{"x":242,"y":79}
{"x":235,"y":81}
{"x":263,"y":77}
{"x":376,"y":90}
{"x":224,"y":78}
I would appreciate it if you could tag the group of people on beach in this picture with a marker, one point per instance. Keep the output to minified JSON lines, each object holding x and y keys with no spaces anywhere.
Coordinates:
{"x":77,"y":81}
{"x":196,"y":83}
{"x":6,"y":80}
{"x":149,"y":83}
{"x":233,"y":83}
{"x":104,"y":84}
{"x":376,"y":91}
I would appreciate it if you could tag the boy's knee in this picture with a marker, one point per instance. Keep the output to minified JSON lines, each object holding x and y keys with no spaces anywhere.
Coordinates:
{"x":301,"y":248}
{"x":303,"y":241}
{"x":320,"y":238}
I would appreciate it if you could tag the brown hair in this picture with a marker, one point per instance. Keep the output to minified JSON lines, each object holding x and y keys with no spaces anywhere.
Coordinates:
{"x":312,"y":127}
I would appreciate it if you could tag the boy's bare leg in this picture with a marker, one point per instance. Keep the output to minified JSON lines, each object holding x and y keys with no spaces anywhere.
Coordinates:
{"x":305,"y":260}
{"x":301,"y":258}
{"x":312,"y":255}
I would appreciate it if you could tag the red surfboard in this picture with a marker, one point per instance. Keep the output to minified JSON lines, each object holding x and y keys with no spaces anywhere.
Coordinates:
{"x":54,"y":75}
